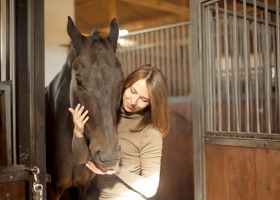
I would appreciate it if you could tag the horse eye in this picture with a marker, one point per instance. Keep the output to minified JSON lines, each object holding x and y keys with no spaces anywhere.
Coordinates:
{"x":79,"y":83}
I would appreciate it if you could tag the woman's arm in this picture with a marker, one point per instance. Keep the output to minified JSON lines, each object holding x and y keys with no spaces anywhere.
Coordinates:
{"x":80,"y":150}
{"x":79,"y":147}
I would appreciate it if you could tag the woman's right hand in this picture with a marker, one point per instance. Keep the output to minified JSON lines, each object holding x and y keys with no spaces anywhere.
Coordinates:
{"x":80,"y":118}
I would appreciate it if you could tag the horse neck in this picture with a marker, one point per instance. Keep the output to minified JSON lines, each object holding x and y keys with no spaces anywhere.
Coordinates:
{"x":63,"y":78}
{"x":59,"y":87}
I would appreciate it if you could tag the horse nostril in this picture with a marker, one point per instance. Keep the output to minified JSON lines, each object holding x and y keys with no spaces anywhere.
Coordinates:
{"x":109,"y":155}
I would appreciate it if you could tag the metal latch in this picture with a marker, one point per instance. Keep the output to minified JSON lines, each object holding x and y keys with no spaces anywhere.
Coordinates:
{"x":37,"y":189}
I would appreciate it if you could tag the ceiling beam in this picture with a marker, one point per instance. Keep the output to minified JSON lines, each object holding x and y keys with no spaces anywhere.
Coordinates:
{"x":160,"y":5}
{"x":141,"y":24}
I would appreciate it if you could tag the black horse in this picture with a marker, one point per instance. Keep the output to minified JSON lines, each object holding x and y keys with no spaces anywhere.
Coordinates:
{"x":91,"y":76}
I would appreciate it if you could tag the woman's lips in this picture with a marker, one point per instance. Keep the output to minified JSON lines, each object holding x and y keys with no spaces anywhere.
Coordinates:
{"x":129,"y":106}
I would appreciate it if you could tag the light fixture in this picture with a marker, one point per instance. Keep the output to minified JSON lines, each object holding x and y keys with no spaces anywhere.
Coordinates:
{"x":123,"y":33}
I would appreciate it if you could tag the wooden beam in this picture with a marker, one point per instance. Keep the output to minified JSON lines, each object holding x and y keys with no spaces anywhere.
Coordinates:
{"x":160,"y":5}
{"x":141,"y":24}
{"x":83,"y":2}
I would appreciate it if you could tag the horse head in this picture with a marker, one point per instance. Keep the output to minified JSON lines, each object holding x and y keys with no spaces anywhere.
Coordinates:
{"x":96,"y":84}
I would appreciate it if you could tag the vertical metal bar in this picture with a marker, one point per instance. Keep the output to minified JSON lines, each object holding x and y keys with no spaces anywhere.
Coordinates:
{"x":133,"y":52}
{"x":278,"y":57}
{"x":274,"y":97}
{"x":252,"y":118}
{"x":125,"y":62}
{"x":168,"y":65}
{"x":210,"y":68}
{"x":184,"y":64}
{"x":245,"y":50}
{"x":3,"y":41}
{"x":31,"y":54}
{"x":218,"y":67}
{"x":240,"y":76}
{"x":138,"y":53}
{"x":233,"y":109}
{"x":213,"y":71}
{"x":142,"y":45}
{"x":227,"y":65}
{"x":255,"y":38}
{"x":173,"y":64}
{"x":129,"y":56}
{"x":261,"y":72}
{"x":147,"y":48}
{"x":157,"y":54}
{"x":196,"y":49}
{"x":162,"y":53}
{"x":206,"y":63}
{"x":152,"y":59}
{"x":267,"y":74}
{"x":179,"y":62}
{"x":235,"y":66}
{"x":13,"y":75}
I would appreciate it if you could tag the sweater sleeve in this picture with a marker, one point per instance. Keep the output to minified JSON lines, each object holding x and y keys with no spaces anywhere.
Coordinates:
{"x":150,"y":159}
{"x":80,"y":150}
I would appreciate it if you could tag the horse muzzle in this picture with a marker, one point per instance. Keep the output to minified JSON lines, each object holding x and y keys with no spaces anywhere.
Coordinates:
{"x":107,"y":159}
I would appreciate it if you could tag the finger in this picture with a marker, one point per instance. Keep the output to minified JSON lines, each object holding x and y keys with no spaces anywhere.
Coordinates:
{"x":84,"y":114}
{"x":93,"y":168}
{"x":85,"y":120}
{"x":81,"y":110}
{"x":71,"y":110}
{"x":77,"y":108}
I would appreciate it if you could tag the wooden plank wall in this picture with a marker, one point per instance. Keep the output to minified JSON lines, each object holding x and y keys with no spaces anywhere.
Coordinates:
{"x":242,"y":173}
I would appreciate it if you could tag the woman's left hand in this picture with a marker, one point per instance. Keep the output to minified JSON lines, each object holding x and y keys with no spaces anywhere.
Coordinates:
{"x":80,"y":118}
{"x":96,"y":170}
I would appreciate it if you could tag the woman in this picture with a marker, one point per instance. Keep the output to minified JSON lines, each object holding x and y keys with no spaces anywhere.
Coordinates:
{"x":144,"y":121}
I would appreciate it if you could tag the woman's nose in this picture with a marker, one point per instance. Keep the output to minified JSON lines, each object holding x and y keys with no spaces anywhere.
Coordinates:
{"x":134,"y":100}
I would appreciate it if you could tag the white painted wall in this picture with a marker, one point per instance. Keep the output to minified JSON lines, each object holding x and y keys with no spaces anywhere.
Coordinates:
{"x":56,"y":14}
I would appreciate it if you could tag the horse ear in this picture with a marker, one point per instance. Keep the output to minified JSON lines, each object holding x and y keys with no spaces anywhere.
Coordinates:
{"x":75,"y":35}
{"x":114,"y":33}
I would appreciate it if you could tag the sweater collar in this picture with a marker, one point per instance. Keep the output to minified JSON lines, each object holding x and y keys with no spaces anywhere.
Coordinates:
{"x":129,"y":115}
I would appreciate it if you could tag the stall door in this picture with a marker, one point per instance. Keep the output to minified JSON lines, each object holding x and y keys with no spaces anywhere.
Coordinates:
{"x":235,"y":65}
{"x":22,"y":132}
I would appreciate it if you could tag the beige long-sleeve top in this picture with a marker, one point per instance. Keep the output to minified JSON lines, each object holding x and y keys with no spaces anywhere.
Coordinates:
{"x":140,"y":162}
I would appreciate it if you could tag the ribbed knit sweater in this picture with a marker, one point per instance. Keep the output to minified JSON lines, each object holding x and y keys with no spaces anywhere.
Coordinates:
{"x":141,"y":153}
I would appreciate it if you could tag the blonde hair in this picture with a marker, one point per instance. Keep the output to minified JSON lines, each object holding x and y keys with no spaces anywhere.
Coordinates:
{"x":157,"y":113}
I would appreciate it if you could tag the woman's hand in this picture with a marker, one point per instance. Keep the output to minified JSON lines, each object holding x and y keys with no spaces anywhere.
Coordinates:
{"x":80,"y":118}
{"x":96,"y":170}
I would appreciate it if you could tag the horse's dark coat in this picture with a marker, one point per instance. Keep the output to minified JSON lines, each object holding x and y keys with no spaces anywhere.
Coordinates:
{"x":91,"y":76}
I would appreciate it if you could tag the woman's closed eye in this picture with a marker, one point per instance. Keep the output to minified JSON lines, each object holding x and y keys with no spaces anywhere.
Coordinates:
{"x":145,"y":100}
{"x":132,"y":90}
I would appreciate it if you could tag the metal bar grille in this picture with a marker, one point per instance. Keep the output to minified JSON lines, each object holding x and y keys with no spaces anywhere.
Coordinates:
{"x":165,"y":47}
{"x":240,"y":59}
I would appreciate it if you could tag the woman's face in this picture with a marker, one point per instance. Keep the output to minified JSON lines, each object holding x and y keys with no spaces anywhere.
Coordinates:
{"x":136,"y":97}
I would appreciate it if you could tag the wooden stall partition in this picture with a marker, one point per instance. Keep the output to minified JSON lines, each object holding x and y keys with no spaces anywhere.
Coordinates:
{"x":13,"y":190}
{"x":268,"y":173}
{"x":242,"y":173}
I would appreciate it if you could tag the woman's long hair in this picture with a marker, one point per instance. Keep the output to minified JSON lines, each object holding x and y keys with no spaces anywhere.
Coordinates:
{"x":156,"y":113}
